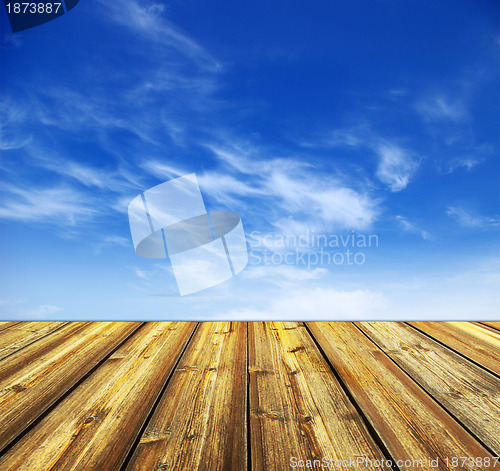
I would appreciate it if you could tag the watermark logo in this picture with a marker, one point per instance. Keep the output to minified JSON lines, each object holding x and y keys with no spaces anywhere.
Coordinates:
{"x":170,"y":220}
{"x":25,"y":15}
{"x":310,"y":249}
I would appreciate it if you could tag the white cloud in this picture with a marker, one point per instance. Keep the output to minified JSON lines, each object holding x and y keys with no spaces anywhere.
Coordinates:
{"x":141,"y":273}
{"x":409,"y":227}
{"x":68,"y":110}
{"x":463,"y":162}
{"x":476,"y":155}
{"x":239,"y":156}
{"x":10,"y":114}
{"x":40,"y":312}
{"x":110,"y":179}
{"x":59,"y":205}
{"x":322,"y":201}
{"x":284,"y":276}
{"x":11,"y":301}
{"x":396,"y":166}
{"x":470,"y":294}
{"x":316,"y":304}
{"x":469,"y":219}
{"x":160,"y":169}
{"x":225,"y":187}
{"x":347,"y":137}
{"x":440,"y":108}
{"x":113,"y":241}
{"x":398,"y":92}
{"x":294,"y":189}
{"x":149,"y":22}
{"x":8,"y":142}
{"x":117,"y":240}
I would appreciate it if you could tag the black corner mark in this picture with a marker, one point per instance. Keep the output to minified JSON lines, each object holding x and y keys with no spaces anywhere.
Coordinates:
{"x":28,"y":14}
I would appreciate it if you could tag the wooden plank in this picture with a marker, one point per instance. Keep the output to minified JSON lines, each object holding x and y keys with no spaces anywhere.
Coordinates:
{"x":297,"y":407}
{"x":493,"y":325}
{"x":200,"y":422}
{"x":409,"y":422}
{"x":468,"y":392}
{"x":476,"y":342}
{"x":95,"y":426}
{"x":7,"y":324}
{"x":33,"y":378}
{"x":23,"y":334}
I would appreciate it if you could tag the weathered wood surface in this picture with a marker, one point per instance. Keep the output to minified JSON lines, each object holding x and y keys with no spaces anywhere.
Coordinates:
{"x":236,"y":396}
{"x":470,"y":393}
{"x":408,"y":421}
{"x":6,"y":324}
{"x":21,"y":334}
{"x":493,"y":325}
{"x":200,"y":422}
{"x":95,"y":426}
{"x":33,"y":378}
{"x":476,"y":342}
{"x":297,"y":407}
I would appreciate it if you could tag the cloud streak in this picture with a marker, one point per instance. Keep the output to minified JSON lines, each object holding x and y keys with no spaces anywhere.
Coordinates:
{"x":468,"y":219}
{"x":440,"y":108}
{"x":409,"y":227}
{"x":149,"y":22}
{"x":58,"y":205}
{"x":396,"y":167}
{"x":294,"y":192}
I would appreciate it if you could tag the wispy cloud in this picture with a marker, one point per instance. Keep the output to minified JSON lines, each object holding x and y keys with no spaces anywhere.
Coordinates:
{"x":112,"y":241}
{"x":473,"y":156}
{"x":141,"y":273}
{"x":440,"y":108}
{"x":163,"y":170}
{"x":68,"y":110}
{"x":398,"y":92}
{"x":149,"y":22}
{"x":59,"y":205}
{"x":113,"y":178}
{"x":463,"y":162}
{"x":10,"y":114}
{"x":315,"y":304}
{"x":284,"y":276}
{"x":410,"y":227}
{"x":326,"y":200}
{"x":42,"y":311}
{"x":227,"y":189}
{"x":9,"y":142}
{"x":469,"y":219}
{"x":396,"y":167}
{"x":292,"y":189}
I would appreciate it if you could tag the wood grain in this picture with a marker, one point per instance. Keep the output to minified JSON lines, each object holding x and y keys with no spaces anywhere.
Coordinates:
{"x":33,"y":378}
{"x":24,"y":333}
{"x":408,"y":421}
{"x":200,"y":422}
{"x":493,"y":325}
{"x":156,"y":396}
{"x":7,"y":324}
{"x":95,"y":426}
{"x":297,"y":407}
{"x":468,"y":392}
{"x":475,"y":341}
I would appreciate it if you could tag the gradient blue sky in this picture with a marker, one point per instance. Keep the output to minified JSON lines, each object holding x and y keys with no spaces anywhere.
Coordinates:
{"x":339,"y":117}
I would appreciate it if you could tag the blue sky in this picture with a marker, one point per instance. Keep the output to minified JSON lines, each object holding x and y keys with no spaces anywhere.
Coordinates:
{"x":330,"y":117}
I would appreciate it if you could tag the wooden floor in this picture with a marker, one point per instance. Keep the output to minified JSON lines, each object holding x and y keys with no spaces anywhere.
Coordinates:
{"x":261,"y":396}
